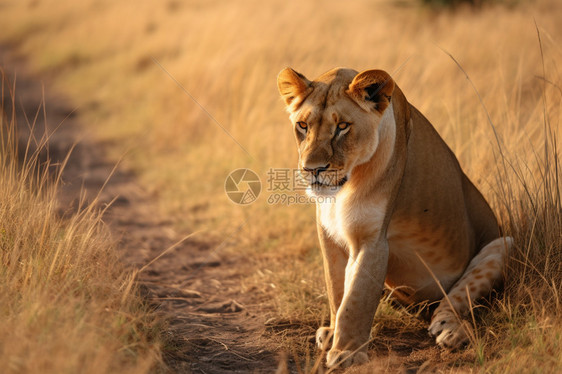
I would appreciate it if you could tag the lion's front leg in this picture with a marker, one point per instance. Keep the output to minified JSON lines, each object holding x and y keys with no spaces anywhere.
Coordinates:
{"x":335,"y":258}
{"x":364,"y":279}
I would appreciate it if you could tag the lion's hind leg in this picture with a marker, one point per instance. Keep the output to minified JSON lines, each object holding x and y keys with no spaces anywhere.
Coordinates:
{"x":479,"y":278}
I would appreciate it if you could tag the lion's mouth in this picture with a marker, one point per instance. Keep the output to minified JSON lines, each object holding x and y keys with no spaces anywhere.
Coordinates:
{"x":319,"y":184}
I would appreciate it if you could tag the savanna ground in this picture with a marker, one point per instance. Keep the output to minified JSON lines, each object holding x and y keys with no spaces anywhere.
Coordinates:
{"x":179,"y":94}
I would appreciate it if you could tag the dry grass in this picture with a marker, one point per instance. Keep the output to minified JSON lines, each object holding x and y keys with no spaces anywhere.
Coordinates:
{"x":66,"y":306}
{"x":227,"y":55}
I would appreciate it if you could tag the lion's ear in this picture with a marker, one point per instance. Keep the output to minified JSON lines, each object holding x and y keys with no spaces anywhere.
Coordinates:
{"x":293,"y":86}
{"x":372,"y":89}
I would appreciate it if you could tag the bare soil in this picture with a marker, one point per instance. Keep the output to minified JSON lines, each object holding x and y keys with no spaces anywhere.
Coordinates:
{"x":215,"y":325}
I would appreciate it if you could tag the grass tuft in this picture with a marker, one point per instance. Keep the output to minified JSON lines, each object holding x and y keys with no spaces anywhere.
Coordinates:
{"x":66,"y":305}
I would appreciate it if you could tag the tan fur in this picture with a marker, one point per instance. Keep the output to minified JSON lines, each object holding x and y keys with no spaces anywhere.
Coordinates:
{"x":402,"y":203}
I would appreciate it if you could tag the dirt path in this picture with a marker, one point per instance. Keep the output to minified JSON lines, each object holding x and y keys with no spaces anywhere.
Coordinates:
{"x":214,"y":326}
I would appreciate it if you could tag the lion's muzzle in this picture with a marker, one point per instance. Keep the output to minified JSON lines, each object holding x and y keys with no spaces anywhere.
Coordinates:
{"x":323,"y":181}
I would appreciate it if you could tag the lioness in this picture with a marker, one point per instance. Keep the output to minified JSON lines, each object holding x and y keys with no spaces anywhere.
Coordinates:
{"x":404,"y":211}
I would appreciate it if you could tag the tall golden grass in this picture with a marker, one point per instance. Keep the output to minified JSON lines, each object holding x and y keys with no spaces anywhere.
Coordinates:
{"x":66,"y":304}
{"x":123,"y":64}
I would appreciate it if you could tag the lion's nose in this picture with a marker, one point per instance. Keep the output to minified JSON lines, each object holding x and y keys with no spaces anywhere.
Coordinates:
{"x":316,"y":170}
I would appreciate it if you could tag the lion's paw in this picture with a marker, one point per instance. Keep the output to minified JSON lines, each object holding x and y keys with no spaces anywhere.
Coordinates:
{"x":345,"y":359}
{"x":448,"y":331}
{"x":324,"y":338}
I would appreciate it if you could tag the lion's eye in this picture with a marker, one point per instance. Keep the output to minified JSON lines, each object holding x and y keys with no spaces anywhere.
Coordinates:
{"x":343,"y":125}
{"x":302,"y":125}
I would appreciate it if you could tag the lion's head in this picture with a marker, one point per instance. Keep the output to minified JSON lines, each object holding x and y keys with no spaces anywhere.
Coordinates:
{"x":336,"y":122}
